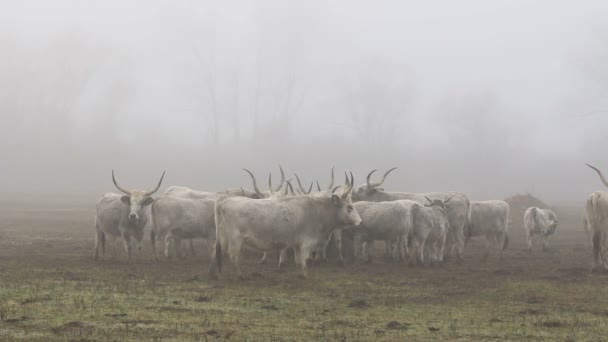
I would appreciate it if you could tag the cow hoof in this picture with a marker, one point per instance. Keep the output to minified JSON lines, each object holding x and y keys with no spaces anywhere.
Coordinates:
{"x":341,"y":263}
{"x":302,"y":276}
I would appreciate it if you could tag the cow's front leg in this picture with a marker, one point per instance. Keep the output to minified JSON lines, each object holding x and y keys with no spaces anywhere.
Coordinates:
{"x":192,"y":248}
{"x":545,"y":243}
{"x":127,"y":244}
{"x":529,"y":240}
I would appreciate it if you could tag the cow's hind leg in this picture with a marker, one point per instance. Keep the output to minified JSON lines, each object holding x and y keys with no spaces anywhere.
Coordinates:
{"x":153,"y":240}
{"x":98,"y":237}
{"x":234,"y":251}
{"x":192,"y":248}
{"x":596,"y":262}
{"x":301,"y":255}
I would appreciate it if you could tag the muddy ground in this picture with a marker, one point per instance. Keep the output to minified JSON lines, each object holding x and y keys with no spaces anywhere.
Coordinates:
{"x":52,"y":289}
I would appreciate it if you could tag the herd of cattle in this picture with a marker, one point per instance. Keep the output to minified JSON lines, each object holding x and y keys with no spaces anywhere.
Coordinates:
{"x":420,"y":228}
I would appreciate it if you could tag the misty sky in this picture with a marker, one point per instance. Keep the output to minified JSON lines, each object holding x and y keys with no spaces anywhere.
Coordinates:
{"x":518,"y":89}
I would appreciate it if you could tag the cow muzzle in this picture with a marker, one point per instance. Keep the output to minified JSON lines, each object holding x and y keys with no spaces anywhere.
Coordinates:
{"x":133,"y":217}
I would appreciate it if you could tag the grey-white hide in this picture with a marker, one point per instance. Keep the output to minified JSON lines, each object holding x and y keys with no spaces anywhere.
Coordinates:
{"x":458,"y":209}
{"x":382,"y":221}
{"x":490,"y":220}
{"x":184,"y":192}
{"x":176,"y":218}
{"x":596,"y":210}
{"x":542,"y":222}
{"x":123,"y":216}
{"x":274,"y":224}
{"x":431,"y":227}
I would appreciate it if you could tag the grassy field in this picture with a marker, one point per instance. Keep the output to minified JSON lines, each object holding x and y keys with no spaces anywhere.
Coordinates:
{"x":51,"y":289}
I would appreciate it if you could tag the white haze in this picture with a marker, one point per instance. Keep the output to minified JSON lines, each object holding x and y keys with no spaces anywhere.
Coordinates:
{"x":490,"y":98}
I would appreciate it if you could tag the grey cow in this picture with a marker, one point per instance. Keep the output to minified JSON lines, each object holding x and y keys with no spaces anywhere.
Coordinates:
{"x":541,"y":222}
{"x":382,"y":221}
{"x":122,"y":216}
{"x":596,"y":210}
{"x":274,"y":224}
{"x":431,"y":226}
{"x":490,"y":219}
{"x":458,"y":209}
{"x":176,"y":218}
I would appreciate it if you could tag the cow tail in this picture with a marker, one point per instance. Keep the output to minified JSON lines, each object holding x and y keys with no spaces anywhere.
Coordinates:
{"x":505,"y":242}
{"x":218,"y":244}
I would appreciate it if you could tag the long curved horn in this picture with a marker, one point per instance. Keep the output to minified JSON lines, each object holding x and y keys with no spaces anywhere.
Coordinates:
{"x":270,"y":182}
{"x":255,"y":184}
{"x":446,"y":201}
{"x":289,"y":187}
{"x":128,"y":192}
{"x":350,"y":186}
{"x":383,"y":177}
{"x":369,"y":176}
{"x":310,"y":188}
{"x":428,"y":199}
{"x":282,"y":180}
{"x":335,"y":188}
{"x":319,"y":186}
{"x":300,"y":183}
{"x":600,"y":174}
{"x":331,"y":184}
{"x":149,"y":193}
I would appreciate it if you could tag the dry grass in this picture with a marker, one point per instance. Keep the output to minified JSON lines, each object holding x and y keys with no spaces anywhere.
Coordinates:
{"x":51,"y":289}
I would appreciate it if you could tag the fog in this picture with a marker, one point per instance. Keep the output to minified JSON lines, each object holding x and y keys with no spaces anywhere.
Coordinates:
{"x":487,"y":98}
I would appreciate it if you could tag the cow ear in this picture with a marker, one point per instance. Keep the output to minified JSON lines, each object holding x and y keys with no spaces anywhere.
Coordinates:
{"x":126,"y":199}
{"x":147,"y":201}
{"x":335,"y":200}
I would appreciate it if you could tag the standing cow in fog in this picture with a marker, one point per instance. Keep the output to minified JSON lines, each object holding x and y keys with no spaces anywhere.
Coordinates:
{"x":123,"y":216}
{"x":176,"y":218}
{"x":490,"y":219}
{"x":431,"y":226}
{"x":458,"y":209}
{"x":160,"y":230}
{"x":596,"y":211}
{"x":541,"y":222}
{"x":277,"y":223}
{"x":382,"y":221}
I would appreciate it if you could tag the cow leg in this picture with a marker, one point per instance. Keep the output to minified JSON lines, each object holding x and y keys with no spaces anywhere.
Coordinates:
{"x":103,"y":244}
{"x":177,"y":247}
{"x":153,"y":240}
{"x":545,"y":243}
{"x":338,"y":239}
{"x":597,"y":250}
{"x":529,"y":240}
{"x":263,"y":260}
{"x":367,"y":247}
{"x":192,"y":252}
{"x":125,"y":239}
{"x":302,"y":253}
{"x":98,"y":237}
{"x":169,"y":241}
{"x":282,"y":257}
{"x":441,"y":248}
{"x":488,"y":244}
{"x":234,"y":250}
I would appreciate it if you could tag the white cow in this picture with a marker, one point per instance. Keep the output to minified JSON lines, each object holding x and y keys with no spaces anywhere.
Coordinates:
{"x":431,"y":226}
{"x":382,"y":221}
{"x":278,"y":223}
{"x":123,"y":216}
{"x":541,"y":222}
{"x":596,"y":210}
{"x":490,"y":219}
{"x":176,"y":218}
{"x":458,"y":210}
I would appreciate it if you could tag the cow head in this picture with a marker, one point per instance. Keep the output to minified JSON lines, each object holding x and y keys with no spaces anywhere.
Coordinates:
{"x":552,"y":226}
{"x":368,"y":191}
{"x":437,"y":203}
{"x":136,"y":199}
{"x":343,"y":204}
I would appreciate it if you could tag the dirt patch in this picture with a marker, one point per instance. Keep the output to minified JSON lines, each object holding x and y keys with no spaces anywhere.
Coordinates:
{"x":16,"y":320}
{"x":138,"y":321}
{"x":116,"y":315}
{"x":75,"y":327}
{"x":203,"y":299}
{"x":394,"y":325}
{"x":359,"y":304}
{"x":550,"y":324}
{"x":532,"y":312}
{"x":35,"y":300}
{"x":535,"y":300}
{"x":270,"y":307}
